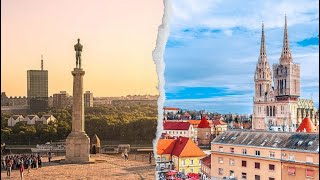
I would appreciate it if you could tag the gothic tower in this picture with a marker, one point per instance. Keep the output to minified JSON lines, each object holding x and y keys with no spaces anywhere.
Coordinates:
{"x":286,"y":74}
{"x":263,"y":86}
{"x":263,"y":77}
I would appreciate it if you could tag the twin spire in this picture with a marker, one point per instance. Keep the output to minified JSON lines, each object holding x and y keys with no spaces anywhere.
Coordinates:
{"x":286,"y":54}
{"x":263,"y":53}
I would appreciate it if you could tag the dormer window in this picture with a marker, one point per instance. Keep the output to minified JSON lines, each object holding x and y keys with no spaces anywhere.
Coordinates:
{"x":299,"y":142}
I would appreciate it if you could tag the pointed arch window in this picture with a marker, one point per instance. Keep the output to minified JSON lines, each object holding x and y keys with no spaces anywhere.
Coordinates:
{"x":260,"y":87}
{"x":274,"y":111}
{"x":267,"y":110}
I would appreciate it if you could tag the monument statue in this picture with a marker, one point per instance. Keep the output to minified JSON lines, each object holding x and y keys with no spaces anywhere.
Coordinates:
{"x":78,"y":142}
{"x":78,"y":49}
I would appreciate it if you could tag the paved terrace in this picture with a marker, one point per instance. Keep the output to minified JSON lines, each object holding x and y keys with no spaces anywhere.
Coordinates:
{"x":105,"y":167}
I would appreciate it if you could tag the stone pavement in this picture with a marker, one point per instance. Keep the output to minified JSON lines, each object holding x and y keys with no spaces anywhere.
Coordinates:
{"x":105,"y":167}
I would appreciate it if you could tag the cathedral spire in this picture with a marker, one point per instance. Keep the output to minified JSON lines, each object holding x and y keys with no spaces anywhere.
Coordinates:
{"x":286,"y":54}
{"x":263,"y":53}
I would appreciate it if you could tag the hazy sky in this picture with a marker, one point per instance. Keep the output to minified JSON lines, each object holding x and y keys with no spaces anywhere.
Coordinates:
{"x":118,"y":38}
{"x":213,"y":49}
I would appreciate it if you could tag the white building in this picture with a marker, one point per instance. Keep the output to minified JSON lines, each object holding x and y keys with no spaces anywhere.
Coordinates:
{"x":13,"y":120}
{"x":177,"y":129}
{"x":31,"y":119}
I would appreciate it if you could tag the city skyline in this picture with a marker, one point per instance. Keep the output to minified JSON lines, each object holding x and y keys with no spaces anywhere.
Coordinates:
{"x":117,"y":52}
{"x":213,"y":49}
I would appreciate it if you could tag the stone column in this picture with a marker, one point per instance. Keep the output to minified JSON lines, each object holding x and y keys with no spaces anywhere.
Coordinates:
{"x":78,"y":101}
{"x":77,"y":142}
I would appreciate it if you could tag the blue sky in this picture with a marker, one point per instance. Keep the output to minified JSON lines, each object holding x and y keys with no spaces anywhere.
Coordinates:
{"x":213,"y":48}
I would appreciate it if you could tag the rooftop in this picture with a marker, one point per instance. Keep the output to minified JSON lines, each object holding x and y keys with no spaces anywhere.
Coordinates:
{"x":271,"y":139}
{"x":176,"y":125}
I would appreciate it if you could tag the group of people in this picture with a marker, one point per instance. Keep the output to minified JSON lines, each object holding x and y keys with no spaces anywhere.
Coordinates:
{"x":21,"y":162}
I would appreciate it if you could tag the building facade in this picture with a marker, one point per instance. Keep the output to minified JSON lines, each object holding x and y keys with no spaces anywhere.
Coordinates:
{"x":61,"y":99}
{"x":179,"y":129}
{"x":88,"y":99}
{"x":276,"y":104}
{"x":265,"y":155}
{"x":37,"y":90}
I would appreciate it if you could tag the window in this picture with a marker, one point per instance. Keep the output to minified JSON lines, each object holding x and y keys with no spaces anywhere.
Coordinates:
{"x":231,"y":162}
{"x":271,"y":167}
{"x":257,"y":153}
{"x":220,"y":171}
{"x":272,"y":154}
{"x":271,"y":178}
{"x":309,"y":173}
{"x":180,"y":132}
{"x":244,"y":175}
{"x":309,"y":159}
{"x":231,"y":173}
{"x":183,"y":162}
{"x":220,"y":149}
{"x":256,"y":177}
{"x":244,"y":164}
{"x":244,"y":151}
{"x":292,"y":171}
{"x":163,"y":158}
{"x":257,"y":165}
{"x":191,"y":170}
{"x":191,"y":161}
{"x":207,"y":134}
{"x":220,"y":160}
{"x":232,"y":150}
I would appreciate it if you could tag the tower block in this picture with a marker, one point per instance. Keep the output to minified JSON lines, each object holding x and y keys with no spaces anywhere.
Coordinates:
{"x":78,"y":142}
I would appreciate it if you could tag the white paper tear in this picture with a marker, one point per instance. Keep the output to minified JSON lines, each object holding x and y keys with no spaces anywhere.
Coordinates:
{"x":157,"y":54}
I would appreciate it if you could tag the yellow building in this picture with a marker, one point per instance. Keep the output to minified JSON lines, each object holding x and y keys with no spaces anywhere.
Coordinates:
{"x":183,"y":152}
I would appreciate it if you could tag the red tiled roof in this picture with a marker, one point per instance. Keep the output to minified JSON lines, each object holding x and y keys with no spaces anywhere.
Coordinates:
{"x":218,"y":122}
{"x":181,"y":147}
{"x":204,"y":123}
{"x":171,"y":108}
{"x":165,"y":146}
{"x":307,"y":126}
{"x":185,"y":147}
{"x":176,"y":125}
{"x":206,"y":161}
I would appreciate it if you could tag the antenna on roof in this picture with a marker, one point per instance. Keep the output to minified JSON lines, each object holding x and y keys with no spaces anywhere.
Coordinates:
{"x":41,"y":62}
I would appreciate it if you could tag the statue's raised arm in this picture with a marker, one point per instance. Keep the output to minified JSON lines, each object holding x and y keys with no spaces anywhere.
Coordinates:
{"x":78,"y":48}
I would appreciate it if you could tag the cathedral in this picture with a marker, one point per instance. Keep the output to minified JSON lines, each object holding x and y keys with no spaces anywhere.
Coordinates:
{"x":276,"y":104}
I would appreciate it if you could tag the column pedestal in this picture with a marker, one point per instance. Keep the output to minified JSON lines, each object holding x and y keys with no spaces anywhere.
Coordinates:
{"x":77,"y":142}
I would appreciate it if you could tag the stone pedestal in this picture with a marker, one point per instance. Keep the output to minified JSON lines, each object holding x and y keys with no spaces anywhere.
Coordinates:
{"x":78,"y":142}
{"x":78,"y":148}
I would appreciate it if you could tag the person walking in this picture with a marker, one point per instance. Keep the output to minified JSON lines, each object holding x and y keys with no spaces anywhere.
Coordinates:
{"x":29,"y":165}
{"x":21,"y":168}
{"x":49,"y":157}
{"x":125,"y":153}
{"x":9,"y":166}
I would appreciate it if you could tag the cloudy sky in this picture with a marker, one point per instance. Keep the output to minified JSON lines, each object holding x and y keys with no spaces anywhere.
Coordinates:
{"x":214,"y":45}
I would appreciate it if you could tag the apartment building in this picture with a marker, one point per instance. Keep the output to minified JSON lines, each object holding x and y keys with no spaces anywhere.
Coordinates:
{"x":265,"y":155}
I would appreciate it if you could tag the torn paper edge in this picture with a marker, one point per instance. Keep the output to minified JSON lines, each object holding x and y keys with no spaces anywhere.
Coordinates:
{"x":157,"y":54}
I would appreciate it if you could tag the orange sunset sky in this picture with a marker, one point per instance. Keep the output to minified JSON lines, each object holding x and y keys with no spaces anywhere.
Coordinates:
{"x":118,"y":38}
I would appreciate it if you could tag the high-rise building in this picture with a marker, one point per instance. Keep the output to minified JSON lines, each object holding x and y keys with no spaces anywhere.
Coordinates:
{"x":279,"y":107}
{"x":37,"y":89}
{"x":61,"y":99}
{"x":88,"y":99}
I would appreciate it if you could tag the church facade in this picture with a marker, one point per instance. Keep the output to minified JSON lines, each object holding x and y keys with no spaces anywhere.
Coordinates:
{"x":277,"y":105}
